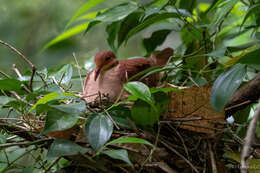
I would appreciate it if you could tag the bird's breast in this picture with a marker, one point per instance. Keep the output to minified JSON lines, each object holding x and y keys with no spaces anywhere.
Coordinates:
{"x":108,"y":83}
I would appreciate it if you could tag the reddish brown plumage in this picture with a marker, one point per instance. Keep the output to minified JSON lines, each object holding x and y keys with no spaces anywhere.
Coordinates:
{"x":110,"y":74}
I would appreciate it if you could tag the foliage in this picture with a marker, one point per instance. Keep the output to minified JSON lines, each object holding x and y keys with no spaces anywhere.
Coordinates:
{"x":219,"y":43}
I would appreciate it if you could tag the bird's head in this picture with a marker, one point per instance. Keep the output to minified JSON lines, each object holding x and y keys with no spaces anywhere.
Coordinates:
{"x":104,"y":60}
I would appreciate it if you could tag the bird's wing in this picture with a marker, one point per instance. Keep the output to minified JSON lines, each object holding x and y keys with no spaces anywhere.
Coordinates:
{"x":163,"y":56}
{"x":134,"y":66}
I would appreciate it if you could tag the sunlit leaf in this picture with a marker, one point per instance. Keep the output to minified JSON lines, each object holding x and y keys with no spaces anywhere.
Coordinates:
{"x":254,"y":8}
{"x":140,"y":90}
{"x":225,"y":85}
{"x":123,"y":140}
{"x":88,"y":5}
{"x":62,"y":147}
{"x":119,"y":154}
{"x":98,"y":130}
{"x":66,"y":34}
{"x":148,"y":22}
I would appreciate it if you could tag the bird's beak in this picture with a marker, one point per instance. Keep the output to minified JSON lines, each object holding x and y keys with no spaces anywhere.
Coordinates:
{"x":97,"y":71}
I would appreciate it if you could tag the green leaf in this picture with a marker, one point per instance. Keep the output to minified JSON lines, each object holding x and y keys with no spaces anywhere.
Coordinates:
{"x":119,"y":154}
{"x":123,"y":140}
{"x":88,"y":5}
{"x":45,"y":99}
{"x":188,"y":5}
{"x":143,"y":114}
{"x":112,"y":31}
{"x":165,"y":90}
{"x":117,"y":13}
{"x":57,"y":120}
{"x":149,"y":21}
{"x":74,"y":108}
{"x":251,"y":58}
{"x":253,"y":9}
{"x":66,"y":34}
{"x":156,"y":39}
{"x":139,"y":90}
{"x":28,"y":169}
{"x":131,"y":21}
{"x":10,"y":84}
{"x":225,"y":85}
{"x":98,"y":130}
{"x":64,"y":75}
{"x":120,"y":115}
{"x":52,"y":96}
{"x":62,"y":147}
{"x":5,"y":99}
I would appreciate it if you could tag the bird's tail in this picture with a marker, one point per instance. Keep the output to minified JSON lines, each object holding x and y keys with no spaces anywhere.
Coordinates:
{"x":163,"y":56}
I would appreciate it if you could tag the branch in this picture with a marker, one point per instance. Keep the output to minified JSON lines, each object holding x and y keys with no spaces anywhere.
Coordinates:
{"x":24,"y":58}
{"x":249,"y":140}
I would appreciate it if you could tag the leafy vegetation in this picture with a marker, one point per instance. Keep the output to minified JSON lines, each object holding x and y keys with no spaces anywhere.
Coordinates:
{"x":218,"y":46}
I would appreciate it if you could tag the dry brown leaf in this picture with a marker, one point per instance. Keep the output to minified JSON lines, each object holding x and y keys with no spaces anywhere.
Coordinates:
{"x":194,"y":102}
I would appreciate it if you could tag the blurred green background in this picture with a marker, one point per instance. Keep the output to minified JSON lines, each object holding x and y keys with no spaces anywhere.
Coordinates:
{"x":29,"y":24}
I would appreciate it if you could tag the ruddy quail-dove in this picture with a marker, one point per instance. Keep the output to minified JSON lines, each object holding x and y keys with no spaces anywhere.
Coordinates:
{"x":110,"y":74}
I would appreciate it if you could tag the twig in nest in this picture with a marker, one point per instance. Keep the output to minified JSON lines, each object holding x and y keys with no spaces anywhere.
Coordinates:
{"x":20,"y":99}
{"x":180,"y":155}
{"x":78,"y":67}
{"x":25,"y":59}
{"x":111,"y":119}
{"x":249,"y":140}
{"x":212,"y":158}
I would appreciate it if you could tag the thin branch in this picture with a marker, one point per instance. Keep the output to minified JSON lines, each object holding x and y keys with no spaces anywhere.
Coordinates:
{"x":25,"y":144}
{"x":24,"y":58}
{"x":249,"y":140}
{"x":17,"y":71}
{"x":111,"y":119}
{"x":53,"y":164}
{"x":20,"y":99}
{"x":78,"y":67}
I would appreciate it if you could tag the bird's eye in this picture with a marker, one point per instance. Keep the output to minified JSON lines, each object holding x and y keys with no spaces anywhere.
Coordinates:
{"x":108,"y":58}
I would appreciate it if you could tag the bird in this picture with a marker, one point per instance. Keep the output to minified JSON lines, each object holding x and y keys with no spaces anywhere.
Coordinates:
{"x":110,"y":74}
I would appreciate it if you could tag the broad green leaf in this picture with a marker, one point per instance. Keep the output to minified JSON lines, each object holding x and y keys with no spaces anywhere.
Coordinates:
{"x":225,"y":85}
{"x":224,"y":8}
{"x":165,"y":90}
{"x":28,"y":169}
{"x":251,"y":58}
{"x":188,"y":5}
{"x":45,"y":99}
{"x":156,"y":39}
{"x":140,"y":90}
{"x":3,"y":138}
{"x":5,"y":99}
{"x":120,"y":115}
{"x":131,"y":21}
{"x":242,"y":47}
{"x":112,"y":31}
{"x":217,"y":53}
{"x":119,"y":154}
{"x":62,"y":147}
{"x":149,"y":21}
{"x":64,"y":75}
{"x":66,"y":34}
{"x":123,"y":140}
{"x":117,"y":13}
{"x":98,"y":130}
{"x":253,"y":9}
{"x":57,"y":120}
{"x":143,"y":114}
{"x":88,"y":5}
{"x":52,"y":96}
{"x":74,"y":108}
{"x":10,"y":84}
